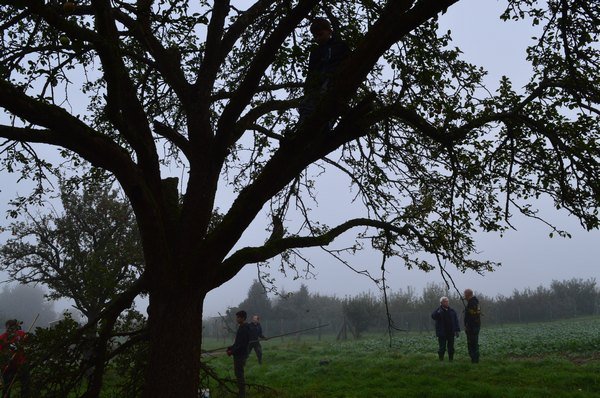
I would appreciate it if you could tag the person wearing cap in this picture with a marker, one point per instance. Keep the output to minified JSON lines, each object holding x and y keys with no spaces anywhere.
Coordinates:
{"x":446,"y":328}
{"x":323,"y":60}
{"x":240,"y":351}
{"x":13,"y":358}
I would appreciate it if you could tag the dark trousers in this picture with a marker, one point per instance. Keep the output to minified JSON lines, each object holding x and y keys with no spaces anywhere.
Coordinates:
{"x":473,"y":344}
{"x":446,"y":342}
{"x":309,"y":103}
{"x":10,"y":378}
{"x":257,"y":349}
{"x":238,"y":368}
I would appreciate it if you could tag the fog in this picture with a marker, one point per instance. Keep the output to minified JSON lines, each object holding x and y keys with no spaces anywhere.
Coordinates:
{"x":529,"y":257}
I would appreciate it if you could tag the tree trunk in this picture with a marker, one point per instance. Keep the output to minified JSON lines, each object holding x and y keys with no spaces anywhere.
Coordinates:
{"x":175,"y":322}
{"x":97,"y":355}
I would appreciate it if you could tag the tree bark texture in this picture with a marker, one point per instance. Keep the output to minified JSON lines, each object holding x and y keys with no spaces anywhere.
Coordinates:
{"x":175,"y":322}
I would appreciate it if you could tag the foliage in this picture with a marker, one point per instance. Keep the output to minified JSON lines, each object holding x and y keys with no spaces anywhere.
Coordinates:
{"x":563,"y":299}
{"x":411,"y":312}
{"x":257,"y":301}
{"x":56,"y":360}
{"x":432,"y":156}
{"x":89,"y":254}
{"x":286,"y":313}
{"x":360,"y":311}
{"x":64,"y":358}
{"x":129,"y":365}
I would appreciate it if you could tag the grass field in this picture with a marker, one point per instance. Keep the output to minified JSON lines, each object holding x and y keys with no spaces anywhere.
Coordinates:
{"x":556,"y":359}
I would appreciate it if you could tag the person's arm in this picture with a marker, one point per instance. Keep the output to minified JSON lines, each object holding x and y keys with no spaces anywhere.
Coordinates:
{"x":312,"y":65}
{"x":242,"y":339}
{"x":436,"y":314}
{"x":455,"y":323}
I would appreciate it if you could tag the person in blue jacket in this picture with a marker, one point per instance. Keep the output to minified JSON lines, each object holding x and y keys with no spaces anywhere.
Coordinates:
{"x":446,"y":328}
{"x":240,"y":351}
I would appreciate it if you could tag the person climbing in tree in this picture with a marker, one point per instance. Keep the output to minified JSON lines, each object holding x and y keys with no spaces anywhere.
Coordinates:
{"x":323,"y":60}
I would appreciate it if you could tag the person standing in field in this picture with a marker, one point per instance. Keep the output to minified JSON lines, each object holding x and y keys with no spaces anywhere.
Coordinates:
{"x":256,"y":334}
{"x":14,"y":364}
{"x":472,"y":324}
{"x":239,"y":350}
{"x":323,"y":60}
{"x":446,"y":328}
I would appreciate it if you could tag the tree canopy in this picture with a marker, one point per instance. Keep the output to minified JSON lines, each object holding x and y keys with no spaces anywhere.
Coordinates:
{"x":90,"y":253}
{"x":213,"y":87}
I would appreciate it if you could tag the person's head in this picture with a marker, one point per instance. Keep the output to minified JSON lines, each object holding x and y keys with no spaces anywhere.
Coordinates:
{"x":444,"y":302}
{"x":241,"y":316}
{"x":468,"y":293}
{"x":12,"y":324}
{"x":321,"y":30}
{"x":255,"y":319}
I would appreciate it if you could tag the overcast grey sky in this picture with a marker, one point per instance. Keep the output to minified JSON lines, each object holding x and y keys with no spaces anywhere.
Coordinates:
{"x":528,"y":255}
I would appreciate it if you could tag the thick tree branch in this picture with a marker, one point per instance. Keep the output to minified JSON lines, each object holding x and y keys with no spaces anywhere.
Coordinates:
{"x":167,"y":60}
{"x":51,"y":15}
{"x":397,"y":20}
{"x":64,"y":130}
{"x":247,"y":87}
{"x":221,"y":95}
{"x":213,"y":54}
{"x":260,"y":110}
{"x":240,"y":25}
{"x":172,"y":135}
{"x":123,"y":106}
{"x":250,"y":255}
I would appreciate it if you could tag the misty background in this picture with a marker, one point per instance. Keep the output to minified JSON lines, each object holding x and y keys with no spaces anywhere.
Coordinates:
{"x":529,"y":256}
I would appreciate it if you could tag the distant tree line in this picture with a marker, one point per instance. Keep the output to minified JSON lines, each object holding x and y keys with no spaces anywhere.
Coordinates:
{"x":408,"y":310}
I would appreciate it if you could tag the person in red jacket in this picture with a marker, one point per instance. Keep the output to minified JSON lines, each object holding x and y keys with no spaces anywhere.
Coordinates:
{"x":13,"y":358}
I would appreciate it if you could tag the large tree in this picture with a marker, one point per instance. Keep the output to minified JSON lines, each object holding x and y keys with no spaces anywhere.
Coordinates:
{"x":213,"y":86}
{"x":88,"y":253}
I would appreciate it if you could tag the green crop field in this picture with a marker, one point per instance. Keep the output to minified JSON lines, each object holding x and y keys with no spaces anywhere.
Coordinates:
{"x":556,"y":359}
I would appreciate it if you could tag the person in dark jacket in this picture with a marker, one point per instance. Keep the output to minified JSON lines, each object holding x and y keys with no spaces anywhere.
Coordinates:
{"x":446,"y":328}
{"x":323,"y":60}
{"x":239,"y":350}
{"x":256,"y":334}
{"x":472,"y":324}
